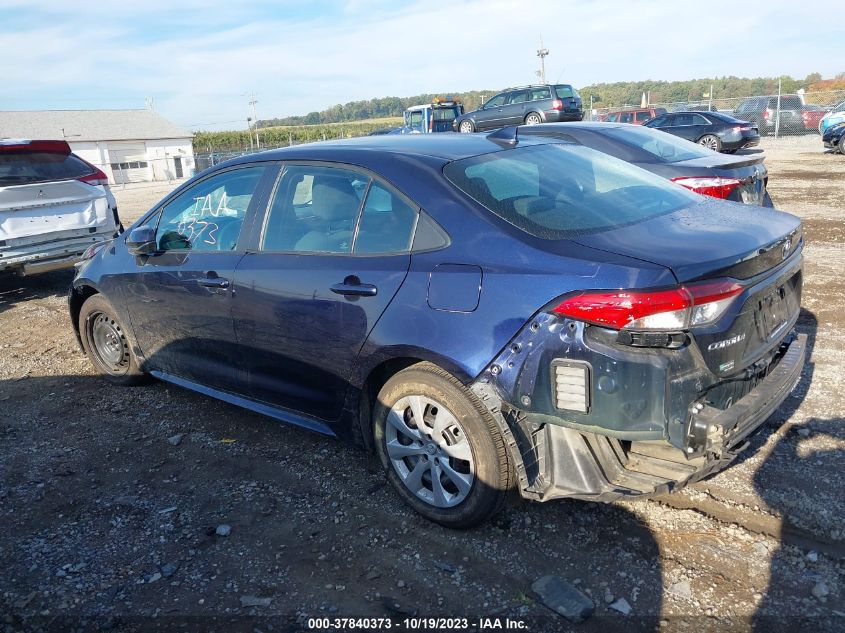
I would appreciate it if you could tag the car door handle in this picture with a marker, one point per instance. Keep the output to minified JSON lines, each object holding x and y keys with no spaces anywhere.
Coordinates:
{"x":355,"y":289}
{"x":213,"y":282}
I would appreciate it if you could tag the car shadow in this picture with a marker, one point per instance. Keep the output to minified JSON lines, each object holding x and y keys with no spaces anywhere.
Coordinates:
{"x":15,"y":289}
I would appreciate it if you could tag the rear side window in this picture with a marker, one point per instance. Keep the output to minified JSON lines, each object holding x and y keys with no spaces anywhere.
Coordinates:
{"x":387,"y":223}
{"x":643,"y":116}
{"x":538,"y":94}
{"x":564,"y":90}
{"x":24,"y":167}
{"x":556,"y":191}
{"x":626,"y":117}
{"x":520,"y":96}
{"x":612,"y":118}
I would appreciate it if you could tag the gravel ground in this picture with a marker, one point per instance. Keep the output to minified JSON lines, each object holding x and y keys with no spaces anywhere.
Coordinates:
{"x":131,"y":508}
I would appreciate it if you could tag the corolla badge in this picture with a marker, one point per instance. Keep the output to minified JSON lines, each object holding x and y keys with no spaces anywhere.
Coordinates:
{"x":726,"y":343}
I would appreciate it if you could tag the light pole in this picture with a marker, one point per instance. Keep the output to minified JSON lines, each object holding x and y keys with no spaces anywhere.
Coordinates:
{"x":542,"y":53}
{"x":252,"y":102}
{"x":249,"y":130}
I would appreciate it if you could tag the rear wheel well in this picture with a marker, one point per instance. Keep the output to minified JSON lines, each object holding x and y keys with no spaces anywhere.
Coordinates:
{"x":375,"y":381}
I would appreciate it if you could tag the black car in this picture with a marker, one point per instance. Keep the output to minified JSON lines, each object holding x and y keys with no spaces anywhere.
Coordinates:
{"x":737,"y":178}
{"x":763,"y":113}
{"x":834,"y":137}
{"x":714,"y":130}
{"x":546,"y":103}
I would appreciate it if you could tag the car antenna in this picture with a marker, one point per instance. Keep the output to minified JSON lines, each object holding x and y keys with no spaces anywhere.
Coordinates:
{"x":506,"y":137}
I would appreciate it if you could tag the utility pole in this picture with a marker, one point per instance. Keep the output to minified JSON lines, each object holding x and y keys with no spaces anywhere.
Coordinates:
{"x":252,"y":102}
{"x":542,"y":53}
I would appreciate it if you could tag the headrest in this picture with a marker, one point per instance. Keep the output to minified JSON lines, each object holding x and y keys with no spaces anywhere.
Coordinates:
{"x":333,"y":199}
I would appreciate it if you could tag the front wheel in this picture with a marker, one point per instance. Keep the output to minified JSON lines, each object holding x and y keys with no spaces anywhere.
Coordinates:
{"x":441,"y":449}
{"x":533,"y":119}
{"x":466,"y":127}
{"x":105,"y":343}
{"x":711,"y":141}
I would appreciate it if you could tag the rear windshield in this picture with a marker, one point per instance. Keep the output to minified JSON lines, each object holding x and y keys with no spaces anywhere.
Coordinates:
{"x":564,"y":90}
{"x":786,"y":103}
{"x":444,"y":114}
{"x":23,"y":167}
{"x":667,"y":147}
{"x":727,"y":118}
{"x":556,"y":191}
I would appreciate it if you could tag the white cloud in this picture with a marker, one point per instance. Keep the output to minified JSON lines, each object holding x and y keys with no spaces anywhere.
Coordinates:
{"x":200,"y":57}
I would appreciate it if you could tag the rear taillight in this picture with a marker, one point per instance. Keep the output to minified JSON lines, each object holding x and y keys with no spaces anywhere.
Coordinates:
{"x":557,"y":104}
{"x":674,"y":309}
{"x":95,"y":178}
{"x":710,"y":186}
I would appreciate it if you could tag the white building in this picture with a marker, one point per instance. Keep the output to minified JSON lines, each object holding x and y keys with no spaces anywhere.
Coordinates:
{"x":128,"y":145}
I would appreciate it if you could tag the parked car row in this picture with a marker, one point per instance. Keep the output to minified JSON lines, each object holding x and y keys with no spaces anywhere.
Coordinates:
{"x":627,"y":338}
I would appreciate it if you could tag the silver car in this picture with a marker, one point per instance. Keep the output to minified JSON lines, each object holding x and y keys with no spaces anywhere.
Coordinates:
{"x":53,"y":206}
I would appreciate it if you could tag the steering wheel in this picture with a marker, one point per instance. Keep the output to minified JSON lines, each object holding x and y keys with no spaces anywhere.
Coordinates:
{"x":227,"y":234}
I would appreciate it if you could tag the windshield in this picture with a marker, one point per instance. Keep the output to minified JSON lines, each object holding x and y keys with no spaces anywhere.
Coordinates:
{"x":555,"y":191}
{"x":23,"y":167}
{"x":667,"y":147}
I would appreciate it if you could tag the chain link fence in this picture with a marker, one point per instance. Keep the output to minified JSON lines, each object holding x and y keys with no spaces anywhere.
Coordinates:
{"x":776,"y":115}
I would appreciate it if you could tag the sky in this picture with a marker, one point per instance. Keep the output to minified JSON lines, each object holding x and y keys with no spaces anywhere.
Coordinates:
{"x":199,"y":59}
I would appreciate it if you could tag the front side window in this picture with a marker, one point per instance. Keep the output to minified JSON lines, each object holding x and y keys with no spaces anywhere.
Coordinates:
{"x":209,"y":215}
{"x":626,"y":117}
{"x":415,"y":120}
{"x":495,"y":102}
{"x":683,"y":119}
{"x":521,"y":96}
{"x":612,"y":118}
{"x":556,"y":191}
{"x":643,"y":116}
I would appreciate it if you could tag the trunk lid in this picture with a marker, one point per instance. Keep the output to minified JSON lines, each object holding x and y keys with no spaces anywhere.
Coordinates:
{"x":708,"y":239}
{"x":749,"y":169}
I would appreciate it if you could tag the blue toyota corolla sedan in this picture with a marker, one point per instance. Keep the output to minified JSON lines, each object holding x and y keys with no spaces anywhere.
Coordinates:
{"x":484,"y":313}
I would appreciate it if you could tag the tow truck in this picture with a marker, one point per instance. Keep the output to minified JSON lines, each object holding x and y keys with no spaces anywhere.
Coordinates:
{"x":436,"y":116}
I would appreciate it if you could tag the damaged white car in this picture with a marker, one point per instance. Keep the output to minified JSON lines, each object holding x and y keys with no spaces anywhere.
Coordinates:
{"x":53,"y":206}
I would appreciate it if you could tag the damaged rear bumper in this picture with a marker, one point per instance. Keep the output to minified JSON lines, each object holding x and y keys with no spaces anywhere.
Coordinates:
{"x":557,"y":459}
{"x":48,"y":254}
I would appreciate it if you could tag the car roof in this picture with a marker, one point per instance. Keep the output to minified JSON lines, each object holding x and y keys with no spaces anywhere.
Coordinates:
{"x":364,"y":150}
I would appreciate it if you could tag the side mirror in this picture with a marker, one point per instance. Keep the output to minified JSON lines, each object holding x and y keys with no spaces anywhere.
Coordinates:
{"x":142,"y":241}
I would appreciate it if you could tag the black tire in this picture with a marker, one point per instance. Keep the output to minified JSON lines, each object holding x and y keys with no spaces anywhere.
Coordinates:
{"x":493,"y":473}
{"x":532,"y":118}
{"x":466,"y":127}
{"x":842,"y":144}
{"x":97,"y":315}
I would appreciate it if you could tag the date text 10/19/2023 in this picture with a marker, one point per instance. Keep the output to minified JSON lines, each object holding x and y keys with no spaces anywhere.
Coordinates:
{"x":416,"y":624}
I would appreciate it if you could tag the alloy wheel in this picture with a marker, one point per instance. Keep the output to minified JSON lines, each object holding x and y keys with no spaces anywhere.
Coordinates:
{"x":429,"y":451}
{"x":532,"y":119}
{"x":466,"y":127}
{"x":710,"y":142}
